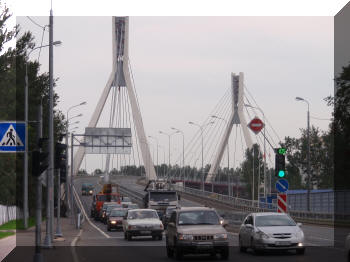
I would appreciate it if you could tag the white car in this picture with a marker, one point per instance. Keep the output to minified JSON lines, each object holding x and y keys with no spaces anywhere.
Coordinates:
{"x":142,"y":222}
{"x":271,"y":231}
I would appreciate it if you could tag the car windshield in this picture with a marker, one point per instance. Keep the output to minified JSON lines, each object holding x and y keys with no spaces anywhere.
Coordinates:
{"x":200,"y":217}
{"x":163,"y":196}
{"x":110,"y":207}
{"x":118,"y":213}
{"x":143,"y":214}
{"x":101,"y":198}
{"x":126,"y":199}
{"x":273,"y":220}
{"x":133,"y":206}
{"x":169,"y":210}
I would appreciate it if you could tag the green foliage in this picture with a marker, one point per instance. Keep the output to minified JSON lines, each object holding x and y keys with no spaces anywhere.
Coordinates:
{"x":6,"y":234}
{"x":12,"y":87}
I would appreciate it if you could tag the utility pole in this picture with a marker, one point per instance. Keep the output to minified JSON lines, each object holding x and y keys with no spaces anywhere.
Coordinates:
{"x":50,"y":174}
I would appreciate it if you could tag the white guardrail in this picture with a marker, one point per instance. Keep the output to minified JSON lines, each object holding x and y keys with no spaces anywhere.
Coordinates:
{"x":8,"y":213}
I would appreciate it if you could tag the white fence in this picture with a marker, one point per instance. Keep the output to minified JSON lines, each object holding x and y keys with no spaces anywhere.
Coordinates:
{"x":8,"y":213}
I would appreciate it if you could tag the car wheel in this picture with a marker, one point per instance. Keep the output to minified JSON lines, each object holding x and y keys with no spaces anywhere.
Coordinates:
{"x":225,"y":253}
{"x":242,"y":249}
{"x":125,"y":237}
{"x":160,"y":237}
{"x":129,"y":236}
{"x":301,"y":251}
{"x":178,"y":253}
{"x":252,"y":246}
{"x":108,"y":228}
{"x":154,"y":237}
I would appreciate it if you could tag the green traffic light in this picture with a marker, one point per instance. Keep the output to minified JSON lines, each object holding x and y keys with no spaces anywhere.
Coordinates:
{"x":281,"y":173}
{"x":282,"y":151}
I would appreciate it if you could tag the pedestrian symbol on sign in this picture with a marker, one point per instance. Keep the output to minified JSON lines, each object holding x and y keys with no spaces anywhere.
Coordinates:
{"x":12,"y":137}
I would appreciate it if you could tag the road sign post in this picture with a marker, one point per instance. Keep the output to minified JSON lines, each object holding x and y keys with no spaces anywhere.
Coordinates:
{"x":282,"y":203}
{"x":256,"y":125}
{"x":12,"y":136}
{"x":282,"y":185}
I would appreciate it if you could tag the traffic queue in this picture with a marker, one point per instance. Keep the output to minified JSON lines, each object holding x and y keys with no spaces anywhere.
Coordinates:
{"x":196,"y":230}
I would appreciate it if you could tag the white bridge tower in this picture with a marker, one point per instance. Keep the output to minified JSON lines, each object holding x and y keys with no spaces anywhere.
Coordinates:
{"x":120,"y":78}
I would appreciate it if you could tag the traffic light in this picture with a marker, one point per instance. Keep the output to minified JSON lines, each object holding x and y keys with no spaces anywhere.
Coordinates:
{"x":60,"y":156}
{"x":280,"y":162}
{"x":39,"y":162}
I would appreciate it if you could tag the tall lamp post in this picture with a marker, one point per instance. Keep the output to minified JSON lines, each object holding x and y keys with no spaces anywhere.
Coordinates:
{"x":183,"y":152}
{"x":157,"y":151}
{"x":169,"y":136}
{"x":26,"y":106}
{"x":71,"y":175}
{"x":258,"y":108}
{"x":308,"y":151}
{"x":201,"y":129}
{"x":228,"y":157}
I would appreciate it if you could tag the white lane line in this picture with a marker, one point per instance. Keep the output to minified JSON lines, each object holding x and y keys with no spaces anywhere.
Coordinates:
{"x":87,"y":218}
{"x":73,"y":244}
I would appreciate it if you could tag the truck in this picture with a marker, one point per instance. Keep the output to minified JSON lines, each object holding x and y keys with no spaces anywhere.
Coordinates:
{"x":87,"y":189}
{"x":107,"y":194}
{"x":160,"y":195}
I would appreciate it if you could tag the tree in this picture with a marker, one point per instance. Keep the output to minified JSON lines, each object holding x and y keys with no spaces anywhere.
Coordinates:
{"x":12,"y":75}
{"x":340,"y":128}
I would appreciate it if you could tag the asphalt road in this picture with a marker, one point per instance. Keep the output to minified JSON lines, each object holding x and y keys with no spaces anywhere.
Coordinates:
{"x":97,"y":244}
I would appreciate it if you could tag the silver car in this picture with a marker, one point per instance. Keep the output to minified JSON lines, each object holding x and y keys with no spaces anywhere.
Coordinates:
{"x":142,"y":222}
{"x":271,"y":231}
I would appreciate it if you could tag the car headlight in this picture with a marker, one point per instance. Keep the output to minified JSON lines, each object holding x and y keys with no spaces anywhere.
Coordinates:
{"x":90,"y":191}
{"x":113,"y":222}
{"x":220,"y":236}
{"x":262,"y":235}
{"x":185,"y":237}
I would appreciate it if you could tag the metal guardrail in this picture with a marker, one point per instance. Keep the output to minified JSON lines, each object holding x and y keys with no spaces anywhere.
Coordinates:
{"x":253,"y":206}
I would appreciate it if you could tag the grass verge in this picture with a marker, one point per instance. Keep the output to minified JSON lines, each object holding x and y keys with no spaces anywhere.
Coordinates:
{"x":6,"y":234}
{"x":17,"y":224}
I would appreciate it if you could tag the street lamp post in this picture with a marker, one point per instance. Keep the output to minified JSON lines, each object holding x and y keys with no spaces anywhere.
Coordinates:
{"x":201,"y":129}
{"x":69,"y":207}
{"x":26,"y":106}
{"x":308,"y":151}
{"x":169,"y":135}
{"x":183,"y":152}
{"x":228,"y":157}
{"x":258,"y":108}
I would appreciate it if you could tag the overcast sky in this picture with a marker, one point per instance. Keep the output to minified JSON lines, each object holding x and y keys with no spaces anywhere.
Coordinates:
{"x":182,"y":66}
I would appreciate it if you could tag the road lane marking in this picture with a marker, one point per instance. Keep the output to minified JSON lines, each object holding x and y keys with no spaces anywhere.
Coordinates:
{"x":73,"y":244}
{"x":87,"y":218}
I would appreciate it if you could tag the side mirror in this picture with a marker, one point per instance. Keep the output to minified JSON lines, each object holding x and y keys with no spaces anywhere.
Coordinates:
{"x":249,"y":225}
{"x":299,"y":224}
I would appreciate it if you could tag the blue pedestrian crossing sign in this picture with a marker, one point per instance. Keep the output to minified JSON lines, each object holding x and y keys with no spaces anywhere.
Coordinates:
{"x":282,"y":185}
{"x":12,"y":137}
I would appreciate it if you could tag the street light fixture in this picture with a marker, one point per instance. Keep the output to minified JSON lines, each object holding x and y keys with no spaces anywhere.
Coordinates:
{"x":201,"y":129}
{"x":308,"y":150}
{"x":183,"y":152}
{"x":75,"y":117}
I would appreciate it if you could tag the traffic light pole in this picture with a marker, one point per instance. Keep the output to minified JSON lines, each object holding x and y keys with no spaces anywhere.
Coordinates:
{"x":38,"y":255}
{"x":58,"y":226}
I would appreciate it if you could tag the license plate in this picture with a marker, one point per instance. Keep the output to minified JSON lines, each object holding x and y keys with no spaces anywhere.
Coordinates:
{"x":282,"y":243}
{"x":145,"y":232}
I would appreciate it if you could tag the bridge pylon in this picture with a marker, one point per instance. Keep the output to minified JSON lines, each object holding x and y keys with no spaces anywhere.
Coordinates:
{"x":120,"y":77}
{"x":236,"y":118}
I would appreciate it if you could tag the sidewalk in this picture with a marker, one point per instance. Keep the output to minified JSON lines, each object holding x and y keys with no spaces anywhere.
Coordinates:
{"x":7,"y":244}
{"x":24,"y":243}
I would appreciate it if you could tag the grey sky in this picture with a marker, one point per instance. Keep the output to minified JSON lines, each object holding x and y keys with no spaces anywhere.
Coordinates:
{"x":182,"y":66}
